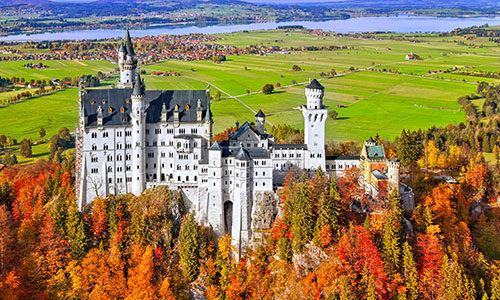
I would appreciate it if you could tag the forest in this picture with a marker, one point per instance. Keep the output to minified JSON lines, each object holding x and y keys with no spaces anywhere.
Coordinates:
{"x":150,"y":247}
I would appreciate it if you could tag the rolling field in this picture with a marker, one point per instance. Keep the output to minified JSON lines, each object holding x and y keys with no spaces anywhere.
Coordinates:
{"x":375,"y":102}
{"x":57,"y":69}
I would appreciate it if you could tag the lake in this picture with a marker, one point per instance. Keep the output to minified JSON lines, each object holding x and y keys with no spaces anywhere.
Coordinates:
{"x":400,"y":24}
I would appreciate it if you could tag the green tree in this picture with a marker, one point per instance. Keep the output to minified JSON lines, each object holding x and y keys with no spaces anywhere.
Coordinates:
{"x":268,"y":89}
{"x":333,"y":114}
{"x":189,"y":248}
{"x":410,"y":146}
{"x":328,"y":212}
{"x":302,"y":215}
{"x":42,"y":132}
{"x":25,"y":148}
{"x":410,"y":273}
{"x":76,"y":234}
{"x":9,"y":159}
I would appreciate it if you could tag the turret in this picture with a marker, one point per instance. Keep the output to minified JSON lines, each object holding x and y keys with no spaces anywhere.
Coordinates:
{"x":127,"y":62}
{"x":164,"y":113}
{"x":370,"y":142}
{"x":260,"y":121}
{"x":314,"y":93}
{"x":199,"y":111}
{"x":393,"y":167}
{"x":138,"y":117}
{"x":99,"y":116}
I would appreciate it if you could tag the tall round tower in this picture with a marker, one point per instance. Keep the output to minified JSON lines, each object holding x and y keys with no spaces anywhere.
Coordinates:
{"x":138,"y":118}
{"x":315,"y":114}
{"x":393,"y":166}
{"x":127,"y":62}
{"x":260,"y":121}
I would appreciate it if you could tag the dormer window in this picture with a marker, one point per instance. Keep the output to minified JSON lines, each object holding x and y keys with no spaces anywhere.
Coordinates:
{"x":92,"y":102}
{"x":122,"y":109}
{"x":110,"y":110}
{"x":188,"y":107}
{"x":104,"y":101}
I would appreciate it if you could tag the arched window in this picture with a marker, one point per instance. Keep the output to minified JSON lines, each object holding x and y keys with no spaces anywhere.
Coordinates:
{"x":315,"y":117}
{"x":310,"y":116}
{"x":94,"y":147}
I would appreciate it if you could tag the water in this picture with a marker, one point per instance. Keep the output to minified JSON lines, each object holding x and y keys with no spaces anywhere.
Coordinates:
{"x":401,"y":24}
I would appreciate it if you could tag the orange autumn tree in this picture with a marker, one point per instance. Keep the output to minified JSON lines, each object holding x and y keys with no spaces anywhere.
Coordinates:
{"x":430,"y":264}
{"x":140,"y":285}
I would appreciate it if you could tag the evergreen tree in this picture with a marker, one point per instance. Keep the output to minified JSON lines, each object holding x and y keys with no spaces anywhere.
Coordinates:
{"x":391,"y":251}
{"x":189,"y":248}
{"x":76,"y":234}
{"x":456,"y":283}
{"x":328,"y":211}
{"x":302,"y":216}
{"x":410,"y":273}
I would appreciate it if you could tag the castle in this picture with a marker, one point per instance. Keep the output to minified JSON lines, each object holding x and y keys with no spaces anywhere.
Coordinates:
{"x":130,"y":139}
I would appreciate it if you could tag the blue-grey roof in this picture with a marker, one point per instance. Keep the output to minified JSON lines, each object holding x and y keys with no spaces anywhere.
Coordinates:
{"x":215,"y":146}
{"x":242,"y":154}
{"x":119,"y":100}
{"x":314,"y":84}
{"x":252,"y":152}
{"x":378,"y":174}
{"x":260,"y":114}
{"x":375,"y":152}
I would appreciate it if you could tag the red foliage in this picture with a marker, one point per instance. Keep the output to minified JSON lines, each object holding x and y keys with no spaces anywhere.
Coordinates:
{"x":430,"y":264}
{"x":223,"y":135}
{"x":358,"y":254}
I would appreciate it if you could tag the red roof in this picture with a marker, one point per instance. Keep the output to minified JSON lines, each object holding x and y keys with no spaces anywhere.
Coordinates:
{"x":2,"y":167}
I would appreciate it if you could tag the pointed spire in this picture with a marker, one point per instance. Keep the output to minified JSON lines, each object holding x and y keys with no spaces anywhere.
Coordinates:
{"x":215,"y":146}
{"x":128,"y":44}
{"x":138,"y":86}
{"x":208,"y":115}
{"x":164,"y":108}
{"x":122,"y":48}
{"x":260,"y":114}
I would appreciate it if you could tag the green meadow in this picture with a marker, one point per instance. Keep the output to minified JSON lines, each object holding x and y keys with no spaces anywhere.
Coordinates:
{"x":373,"y":102}
{"x":57,"y":69}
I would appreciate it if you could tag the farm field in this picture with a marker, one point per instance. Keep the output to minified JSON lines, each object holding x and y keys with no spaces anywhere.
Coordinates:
{"x":374,"y":102}
{"x":57,"y":69}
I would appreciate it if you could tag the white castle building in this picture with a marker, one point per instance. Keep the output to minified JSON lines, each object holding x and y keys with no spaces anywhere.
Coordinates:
{"x":130,"y":139}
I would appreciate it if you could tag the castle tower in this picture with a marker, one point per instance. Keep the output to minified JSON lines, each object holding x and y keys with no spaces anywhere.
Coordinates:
{"x":80,"y":163}
{"x":393,"y":166}
{"x":138,"y":118}
{"x":127,"y":62}
{"x":315,"y":114}
{"x":260,"y":121}
{"x":241,"y":224}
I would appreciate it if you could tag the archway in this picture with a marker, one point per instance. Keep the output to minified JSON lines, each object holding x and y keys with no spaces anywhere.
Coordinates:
{"x":228,"y":217}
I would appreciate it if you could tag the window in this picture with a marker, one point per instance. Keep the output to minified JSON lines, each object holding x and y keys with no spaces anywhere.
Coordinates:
{"x":128,"y":168}
{"x":94,"y":170}
{"x":94,"y":159}
{"x":129,"y":179}
{"x":158,"y":131}
{"x":110,"y":170}
{"x":128,"y":133}
{"x":170,"y":130}
{"x":118,"y":146}
{"x":147,"y":131}
{"x":128,"y":157}
{"x":119,"y":134}
{"x":128,"y":146}
{"x":94,"y":147}
{"x":119,"y":157}
{"x":110,"y":157}
{"x":182,"y":131}
{"x":194,"y":131}
{"x":119,"y":180}
{"x":110,"y":180}
{"x":105,"y":134}
{"x":105,"y":147}
{"x":151,"y":155}
{"x":94,"y":135}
